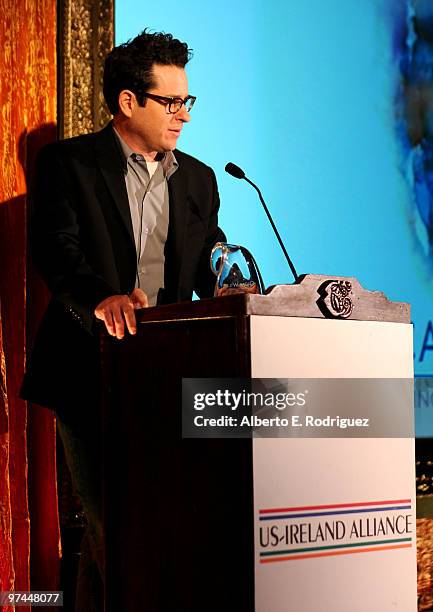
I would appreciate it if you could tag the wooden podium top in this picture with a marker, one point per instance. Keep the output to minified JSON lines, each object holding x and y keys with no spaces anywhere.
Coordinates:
{"x":316,"y":296}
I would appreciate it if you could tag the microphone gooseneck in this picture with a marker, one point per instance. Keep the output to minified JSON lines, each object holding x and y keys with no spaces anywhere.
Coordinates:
{"x":238,"y":173}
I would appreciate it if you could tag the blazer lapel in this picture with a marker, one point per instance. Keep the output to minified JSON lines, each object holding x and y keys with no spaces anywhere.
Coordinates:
{"x":112,"y":166}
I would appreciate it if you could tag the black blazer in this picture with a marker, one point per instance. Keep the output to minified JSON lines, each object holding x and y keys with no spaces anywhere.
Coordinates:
{"x":83,"y":246}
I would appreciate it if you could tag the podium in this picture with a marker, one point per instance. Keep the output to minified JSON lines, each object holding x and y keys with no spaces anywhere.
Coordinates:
{"x":257,"y":524}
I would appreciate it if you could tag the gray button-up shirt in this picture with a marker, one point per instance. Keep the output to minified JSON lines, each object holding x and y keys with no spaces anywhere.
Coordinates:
{"x":146,"y":185}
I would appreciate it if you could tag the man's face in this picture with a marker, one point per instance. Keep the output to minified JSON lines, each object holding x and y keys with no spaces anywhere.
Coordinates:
{"x":153,"y":126}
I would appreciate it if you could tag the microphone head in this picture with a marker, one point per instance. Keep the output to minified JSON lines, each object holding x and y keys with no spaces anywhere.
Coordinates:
{"x":235,"y":170}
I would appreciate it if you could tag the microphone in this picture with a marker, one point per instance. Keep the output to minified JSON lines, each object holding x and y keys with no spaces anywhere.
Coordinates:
{"x":235,"y":171}
{"x":238,"y":173}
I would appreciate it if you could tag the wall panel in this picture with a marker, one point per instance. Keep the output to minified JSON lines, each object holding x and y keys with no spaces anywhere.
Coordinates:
{"x":28,"y":108}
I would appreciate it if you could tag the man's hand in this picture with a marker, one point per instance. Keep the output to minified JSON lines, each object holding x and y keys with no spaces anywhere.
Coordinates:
{"x":117,"y":310}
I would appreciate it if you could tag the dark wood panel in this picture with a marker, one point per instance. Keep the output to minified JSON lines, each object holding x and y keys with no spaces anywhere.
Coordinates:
{"x":179,"y":513}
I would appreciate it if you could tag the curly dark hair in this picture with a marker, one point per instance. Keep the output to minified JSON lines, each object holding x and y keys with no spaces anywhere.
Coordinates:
{"x":129,"y":66}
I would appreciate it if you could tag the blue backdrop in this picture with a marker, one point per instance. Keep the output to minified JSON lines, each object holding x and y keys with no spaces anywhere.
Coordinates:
{"x":307,"y":97}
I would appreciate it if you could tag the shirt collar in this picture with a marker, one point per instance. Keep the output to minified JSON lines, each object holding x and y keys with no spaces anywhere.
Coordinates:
{"x":168,"y":161}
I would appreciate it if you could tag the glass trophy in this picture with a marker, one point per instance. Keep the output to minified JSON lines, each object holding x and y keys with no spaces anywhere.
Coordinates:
{"x":235,"y":269}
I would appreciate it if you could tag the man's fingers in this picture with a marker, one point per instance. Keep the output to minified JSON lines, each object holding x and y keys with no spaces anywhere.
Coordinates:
{"x":129,"y":314}
{"x":117,"y":315}
{"x":107,"y":317}
{"x":119,"y":323}
{"x":117,"y":310}
{"x":105,"y":314}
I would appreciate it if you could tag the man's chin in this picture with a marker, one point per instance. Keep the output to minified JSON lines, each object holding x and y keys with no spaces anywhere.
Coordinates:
{"x":168,"y":148}
{"x":172,"y":141}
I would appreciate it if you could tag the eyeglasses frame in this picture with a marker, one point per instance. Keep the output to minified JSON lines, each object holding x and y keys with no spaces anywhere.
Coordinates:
{"x":168,"y":101}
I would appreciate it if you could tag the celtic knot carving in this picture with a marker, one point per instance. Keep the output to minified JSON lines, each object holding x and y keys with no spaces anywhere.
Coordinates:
{"x":339,"y":297}
{"x":335,"y":301}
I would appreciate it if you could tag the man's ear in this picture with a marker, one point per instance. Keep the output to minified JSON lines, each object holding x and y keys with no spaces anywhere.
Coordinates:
{"x":127,"y":102}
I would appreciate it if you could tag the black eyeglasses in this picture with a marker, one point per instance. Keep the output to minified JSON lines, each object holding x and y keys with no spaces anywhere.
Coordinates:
{"x":173,"y":105}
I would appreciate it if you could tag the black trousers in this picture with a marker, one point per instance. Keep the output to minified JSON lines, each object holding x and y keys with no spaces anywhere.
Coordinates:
{"x":82,"y":448}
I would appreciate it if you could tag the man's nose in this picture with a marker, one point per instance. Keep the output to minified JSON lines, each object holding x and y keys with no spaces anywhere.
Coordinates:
{"x":183,"y":114}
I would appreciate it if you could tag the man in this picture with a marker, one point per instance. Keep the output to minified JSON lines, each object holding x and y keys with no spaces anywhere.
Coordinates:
{"x":122,"y":220}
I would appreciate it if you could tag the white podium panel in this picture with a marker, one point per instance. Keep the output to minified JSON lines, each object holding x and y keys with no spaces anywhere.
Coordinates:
{"x":334,"y":517}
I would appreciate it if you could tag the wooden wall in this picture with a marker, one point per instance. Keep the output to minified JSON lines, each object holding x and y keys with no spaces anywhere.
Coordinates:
{"x":28,"y":115}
